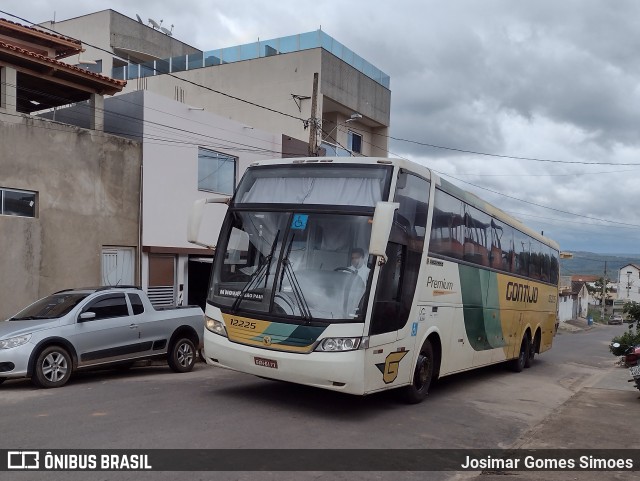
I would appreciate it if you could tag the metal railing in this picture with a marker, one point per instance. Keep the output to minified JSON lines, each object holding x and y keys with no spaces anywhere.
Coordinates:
{"x":260,"y":49}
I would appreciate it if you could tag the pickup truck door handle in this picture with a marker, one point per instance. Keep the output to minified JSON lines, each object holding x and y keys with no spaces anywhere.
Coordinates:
{"x":133,"y":326}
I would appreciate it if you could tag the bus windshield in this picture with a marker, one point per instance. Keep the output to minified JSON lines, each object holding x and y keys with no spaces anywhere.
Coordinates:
{"x":333,"y":185}
{"x":310,"y":266}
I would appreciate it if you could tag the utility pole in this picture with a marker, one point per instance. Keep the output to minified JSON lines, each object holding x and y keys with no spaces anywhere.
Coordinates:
{"x":604,"y":290}
{"x":313,"y":121}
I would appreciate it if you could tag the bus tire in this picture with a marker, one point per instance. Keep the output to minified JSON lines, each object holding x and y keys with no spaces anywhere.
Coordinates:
{"x":532,"y":353}
{"x":517,"y":364}
{"x":418,"y":390}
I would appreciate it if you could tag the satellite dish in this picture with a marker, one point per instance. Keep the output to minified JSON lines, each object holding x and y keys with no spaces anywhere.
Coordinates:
{"x":153,"y":23}
{"x":167,"y":31}
{"x":139,"y":19}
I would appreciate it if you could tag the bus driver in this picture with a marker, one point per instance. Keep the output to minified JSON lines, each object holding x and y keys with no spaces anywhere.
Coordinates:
{"x":357,"y":264}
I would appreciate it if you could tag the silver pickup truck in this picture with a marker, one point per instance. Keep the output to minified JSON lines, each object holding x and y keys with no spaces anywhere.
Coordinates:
{"x":82,"y":328}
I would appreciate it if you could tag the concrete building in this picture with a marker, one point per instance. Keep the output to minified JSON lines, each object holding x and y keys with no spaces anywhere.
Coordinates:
{"x":187,"y":154}
{"x":573,"y":299}
{"x":197,"y":135}
{"x":69,"y":197}
{"x":353,"y":98}
{"x":121,"y":41}
{"x":629,"y":283}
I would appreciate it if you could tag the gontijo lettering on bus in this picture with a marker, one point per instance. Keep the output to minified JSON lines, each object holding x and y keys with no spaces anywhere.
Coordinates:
{"x":521,"y":293}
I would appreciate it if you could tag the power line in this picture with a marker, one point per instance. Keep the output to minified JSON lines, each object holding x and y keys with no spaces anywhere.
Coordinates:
{"x":520,"y":200}
{"x":545,"y":175}
{"x":306,"y":121}
{"x":543,"y":206}
{"x":254,"y":104}
{"x":487,"y":154}
{"x":77,"y":115}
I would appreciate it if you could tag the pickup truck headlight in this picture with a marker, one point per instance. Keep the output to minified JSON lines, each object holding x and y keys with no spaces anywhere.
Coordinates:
{"x":339,"y":344}
{"x":217,"y":327}
{"x":14,"y":341}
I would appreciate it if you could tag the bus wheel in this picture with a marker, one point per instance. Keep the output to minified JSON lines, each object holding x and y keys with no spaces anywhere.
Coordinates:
{"x":417,"y":391}
{"x":532,"y":353}
{"x":517,"y":365}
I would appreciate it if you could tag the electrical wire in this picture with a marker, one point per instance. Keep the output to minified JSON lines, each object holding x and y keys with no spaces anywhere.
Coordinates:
{"x":487,"y":154}
{"x":515,"y":198}
{"x":239,"y":99}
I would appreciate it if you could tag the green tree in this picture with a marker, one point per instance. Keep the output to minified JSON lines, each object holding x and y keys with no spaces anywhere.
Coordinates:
{"x":631,"y":337}
{"x":632,"y":309}
{"x":596,"y":289}
{"x":628,"y":339}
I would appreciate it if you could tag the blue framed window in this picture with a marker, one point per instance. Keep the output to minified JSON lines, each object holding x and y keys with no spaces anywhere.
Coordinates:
{"x":354,"y":142}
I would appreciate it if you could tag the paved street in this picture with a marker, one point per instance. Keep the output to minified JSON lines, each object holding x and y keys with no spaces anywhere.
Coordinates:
{"x":151,"y":407}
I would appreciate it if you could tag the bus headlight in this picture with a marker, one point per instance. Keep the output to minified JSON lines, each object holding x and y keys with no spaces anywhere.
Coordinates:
{"x":339,"y":344}
{"x":217,"y":327}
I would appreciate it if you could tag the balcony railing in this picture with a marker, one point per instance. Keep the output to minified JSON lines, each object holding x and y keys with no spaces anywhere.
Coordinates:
{"x":263,"y":48}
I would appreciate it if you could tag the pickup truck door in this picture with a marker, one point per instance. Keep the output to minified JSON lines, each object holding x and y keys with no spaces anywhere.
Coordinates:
{"x":112,"y":335}
{"x":154,"y":327}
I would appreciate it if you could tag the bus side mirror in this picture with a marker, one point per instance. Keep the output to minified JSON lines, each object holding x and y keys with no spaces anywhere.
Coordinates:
{"x":195,"y":219}
{"x":381,"y":228}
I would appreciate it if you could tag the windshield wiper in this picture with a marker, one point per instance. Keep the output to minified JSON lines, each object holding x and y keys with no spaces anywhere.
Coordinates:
{"x":27,"y":318}
{"x":261,"y":272}
{"x":295,"y":285}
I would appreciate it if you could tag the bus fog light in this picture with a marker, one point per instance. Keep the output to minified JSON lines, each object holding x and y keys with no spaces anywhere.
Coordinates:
{"x":216,"y":327}
{"x":339,"y":344}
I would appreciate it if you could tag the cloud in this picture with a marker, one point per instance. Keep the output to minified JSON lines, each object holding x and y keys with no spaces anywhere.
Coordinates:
{"x":544,"y":79}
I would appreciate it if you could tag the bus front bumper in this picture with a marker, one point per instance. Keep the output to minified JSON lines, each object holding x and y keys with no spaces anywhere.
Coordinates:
{"x":337,"y":371}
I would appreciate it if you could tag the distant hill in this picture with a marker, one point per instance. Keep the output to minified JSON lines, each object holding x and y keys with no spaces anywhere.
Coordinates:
{"x":589,"y":263}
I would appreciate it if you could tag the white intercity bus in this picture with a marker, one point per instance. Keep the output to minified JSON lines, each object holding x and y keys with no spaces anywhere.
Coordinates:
{"x":365,"y":274}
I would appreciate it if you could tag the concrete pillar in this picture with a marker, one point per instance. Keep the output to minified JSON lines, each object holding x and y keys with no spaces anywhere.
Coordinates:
{"x":96,"y":112}
{"x":8,"y":88}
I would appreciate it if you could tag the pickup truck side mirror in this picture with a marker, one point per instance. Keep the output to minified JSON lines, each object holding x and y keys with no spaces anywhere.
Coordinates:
{"x":86,"y":316}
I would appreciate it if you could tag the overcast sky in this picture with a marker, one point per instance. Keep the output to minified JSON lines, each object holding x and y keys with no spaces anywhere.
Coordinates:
{"x":542,"y":79}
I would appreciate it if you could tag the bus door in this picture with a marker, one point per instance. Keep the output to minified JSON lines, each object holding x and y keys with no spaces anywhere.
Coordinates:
{"x":389,"y":358}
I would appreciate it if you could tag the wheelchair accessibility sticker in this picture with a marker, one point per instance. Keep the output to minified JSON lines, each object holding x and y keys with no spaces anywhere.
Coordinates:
{"x":414,"y":329}
{"x":299,"y":221}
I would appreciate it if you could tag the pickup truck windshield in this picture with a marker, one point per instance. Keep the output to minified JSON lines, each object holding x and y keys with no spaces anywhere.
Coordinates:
{"x":56,"y":305}
{"x":310,"y":266}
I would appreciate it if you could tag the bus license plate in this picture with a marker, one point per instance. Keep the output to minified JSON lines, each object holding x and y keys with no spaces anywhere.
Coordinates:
{"x":260,"y":361}
{"x":635,"y":371}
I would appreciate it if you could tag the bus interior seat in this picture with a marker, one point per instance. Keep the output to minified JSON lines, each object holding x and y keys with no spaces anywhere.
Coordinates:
{"x":328,"y":252}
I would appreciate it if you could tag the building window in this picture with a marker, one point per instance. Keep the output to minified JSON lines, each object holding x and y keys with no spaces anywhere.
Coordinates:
{"x":354,"y":142}
{"x":216,"y":172}
{"x":17,"y":202}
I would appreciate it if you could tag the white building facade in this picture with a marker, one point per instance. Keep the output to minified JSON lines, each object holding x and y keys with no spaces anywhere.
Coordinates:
{"x":629,"y":283}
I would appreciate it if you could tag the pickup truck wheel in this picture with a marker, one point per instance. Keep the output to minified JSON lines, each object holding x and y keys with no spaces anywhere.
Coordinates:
{"x":52,"y":368}
{"x":183,"y":355}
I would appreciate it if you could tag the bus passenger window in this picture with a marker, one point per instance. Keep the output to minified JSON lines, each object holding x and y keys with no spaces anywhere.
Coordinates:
{"x":476,"y":230}
{"x":447,"y":227}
